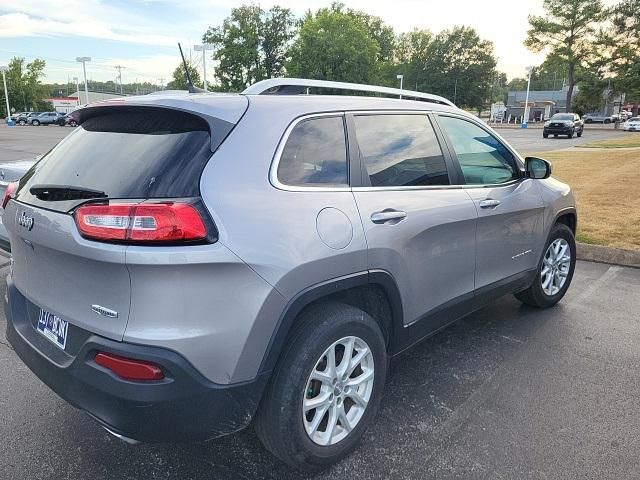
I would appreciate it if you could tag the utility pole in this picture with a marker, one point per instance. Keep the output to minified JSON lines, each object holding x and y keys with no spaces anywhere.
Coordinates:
{"x":119,"y":68}
{"x":161,"y":83}
{"x":75,"y":79}
{"x":525,"y":117}
{"x":84,"y":61}
{"x":3,"y":69}
{"x":203,"y":48}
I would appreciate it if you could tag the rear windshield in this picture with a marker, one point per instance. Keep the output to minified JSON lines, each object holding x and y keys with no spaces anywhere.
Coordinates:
{"x":133,"y":153}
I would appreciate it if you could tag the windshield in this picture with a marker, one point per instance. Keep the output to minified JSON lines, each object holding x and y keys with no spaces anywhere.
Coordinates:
{"x":561,"y":116}
{"x":634,"y":119}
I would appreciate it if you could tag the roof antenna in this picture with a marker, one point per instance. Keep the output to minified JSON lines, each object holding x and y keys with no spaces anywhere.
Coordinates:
{"x":191,"y":88}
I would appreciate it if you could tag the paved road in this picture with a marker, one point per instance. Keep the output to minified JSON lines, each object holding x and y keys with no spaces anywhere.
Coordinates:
{"x":530,"y":139}
{"x":509,"y":392}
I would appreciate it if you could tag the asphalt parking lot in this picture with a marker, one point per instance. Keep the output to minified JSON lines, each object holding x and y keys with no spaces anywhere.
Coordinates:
{"x":509,"y":392}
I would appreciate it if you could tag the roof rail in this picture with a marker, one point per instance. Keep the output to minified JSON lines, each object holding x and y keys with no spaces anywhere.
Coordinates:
{"x":297,"y":86}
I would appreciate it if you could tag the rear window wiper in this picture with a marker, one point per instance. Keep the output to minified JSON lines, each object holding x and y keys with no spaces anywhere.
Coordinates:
{"x":53,"y":193}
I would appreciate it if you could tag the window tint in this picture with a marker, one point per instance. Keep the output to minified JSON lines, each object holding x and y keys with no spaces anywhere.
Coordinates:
{"x":315,"y":153}
{"x":126,"y":153}
{"x":400,"y":150}
{"x":484,"y":160}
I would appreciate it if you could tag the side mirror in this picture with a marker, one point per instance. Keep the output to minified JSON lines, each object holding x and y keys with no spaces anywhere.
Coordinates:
{"x":537,"y":168}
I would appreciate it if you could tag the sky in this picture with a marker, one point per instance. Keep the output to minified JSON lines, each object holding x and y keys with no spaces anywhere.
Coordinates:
{"x":142,"y":35}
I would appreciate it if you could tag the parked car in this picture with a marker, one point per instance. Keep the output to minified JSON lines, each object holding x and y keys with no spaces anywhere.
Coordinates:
{"x":67,"y":120}
{"x":25,"y":119}
{"x":563,"y":124}
{"x":10,"y":172}
{"x":16,"y":116}
{"x":632,"y":125}
{"x":45,"y":118}
{"x":597,"y":118}
{"x":183,"y":264}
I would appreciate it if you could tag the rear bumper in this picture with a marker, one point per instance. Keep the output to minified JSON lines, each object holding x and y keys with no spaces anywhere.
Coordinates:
{"x":184,"y":406}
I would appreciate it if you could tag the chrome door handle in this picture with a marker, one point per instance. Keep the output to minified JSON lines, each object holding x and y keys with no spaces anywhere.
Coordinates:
{"x":489,"y":203}
{"x":387,"y":216}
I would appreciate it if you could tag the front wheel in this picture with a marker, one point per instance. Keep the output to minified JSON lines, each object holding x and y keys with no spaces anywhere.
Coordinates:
{"x":570,"y":135}
{"x":326,"y":388}
{"x":555,"y":270}
{"x":579,"y":134}
{"x":35,"y":123}
{"x":545,"y":135}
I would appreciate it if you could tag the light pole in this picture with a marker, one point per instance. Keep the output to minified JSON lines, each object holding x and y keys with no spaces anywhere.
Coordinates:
{"x":3,"y":69}
{"x":203,"y":48}
{"x":84,"y":61}
{"x":75,"y":79}
{"x":525,"y":117}
{"x":401,"y":78}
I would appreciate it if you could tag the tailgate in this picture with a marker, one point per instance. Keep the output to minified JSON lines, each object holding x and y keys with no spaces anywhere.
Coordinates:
{"x":58,"y":270}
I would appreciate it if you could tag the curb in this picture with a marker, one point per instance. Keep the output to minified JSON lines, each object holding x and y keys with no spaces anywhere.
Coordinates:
{"x":613,"y":256}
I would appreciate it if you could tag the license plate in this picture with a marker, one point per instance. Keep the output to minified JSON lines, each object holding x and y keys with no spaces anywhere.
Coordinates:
{"x":53,"y":327}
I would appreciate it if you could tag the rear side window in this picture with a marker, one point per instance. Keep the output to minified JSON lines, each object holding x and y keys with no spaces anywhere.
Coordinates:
{"x":315,"y":154}
{"x":400,"y":150}
{"x":126,"y":153}
{"x":483,"y":159}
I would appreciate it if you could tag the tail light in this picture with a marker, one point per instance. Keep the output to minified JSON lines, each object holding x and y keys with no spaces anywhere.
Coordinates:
{"x":9,"y":193}
{"x":163,"y":222}
{"x":128,"y":368}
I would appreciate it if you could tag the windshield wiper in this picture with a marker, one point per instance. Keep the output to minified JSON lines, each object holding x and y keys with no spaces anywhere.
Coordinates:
{"x":55,"y":193}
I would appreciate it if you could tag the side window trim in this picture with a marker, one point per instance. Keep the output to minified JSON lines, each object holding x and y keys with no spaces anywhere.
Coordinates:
{"x":359,"y":175}
{"x":273,"y":169}
{"x":454,"y":156}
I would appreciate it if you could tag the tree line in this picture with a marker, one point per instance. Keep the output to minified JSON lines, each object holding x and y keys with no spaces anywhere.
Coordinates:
{"x":586,"y":43}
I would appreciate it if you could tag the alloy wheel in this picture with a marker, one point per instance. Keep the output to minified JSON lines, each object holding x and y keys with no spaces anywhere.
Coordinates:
{"x":338,"y":391}
{"x":555,"y":266}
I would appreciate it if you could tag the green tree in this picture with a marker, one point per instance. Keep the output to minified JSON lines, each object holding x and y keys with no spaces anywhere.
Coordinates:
{"x":567,"y":31}
{"x":411,"y":55}
{"x":334,"y":45}
{"x":179,"y":79}
{"x":24,"y":86}
{"x":461,"y":67}
{"x":624,"y":41}
{"x":251,"y":44}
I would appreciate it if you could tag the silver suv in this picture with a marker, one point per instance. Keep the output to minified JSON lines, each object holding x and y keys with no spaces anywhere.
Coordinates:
{"x":185,"y":263}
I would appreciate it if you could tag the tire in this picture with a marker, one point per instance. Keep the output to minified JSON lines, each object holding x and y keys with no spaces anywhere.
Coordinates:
{"x":579,"y":134}
{"x":545,"y":135}
{"x":555,"y":135}
{"x":588,"y":120}
{"x":535,"y":295}
{"x":570,"y":135}
{"x":35,"y":123}
{"x":73,"y":123}
{"x":607,"y":121}
{"x":22,"y":122}
{"x":280,"y":423}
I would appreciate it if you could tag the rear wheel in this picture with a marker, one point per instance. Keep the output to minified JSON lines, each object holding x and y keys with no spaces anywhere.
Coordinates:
{"x":555,"y":270}
{"x":326,"y":388}
{"x":545,"y":135}
{"x":607,"y":120}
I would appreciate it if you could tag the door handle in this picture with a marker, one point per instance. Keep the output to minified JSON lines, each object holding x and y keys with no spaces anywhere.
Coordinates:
{"x":489,"y":203}
{"x":388,"y":216}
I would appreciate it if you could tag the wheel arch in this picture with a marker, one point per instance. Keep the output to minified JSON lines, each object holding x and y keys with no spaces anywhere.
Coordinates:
{"x":374,"y":291}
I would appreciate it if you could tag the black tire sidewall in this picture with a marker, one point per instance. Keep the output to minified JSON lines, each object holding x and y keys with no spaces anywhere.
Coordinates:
{"x":284,"y":406}
{"x":558,"y":231}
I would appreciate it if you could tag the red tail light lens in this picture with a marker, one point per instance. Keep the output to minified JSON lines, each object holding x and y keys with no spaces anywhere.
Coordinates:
{"x":8,"y":193}
{"x":141,"y":222}
{"x":129,"y":369}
